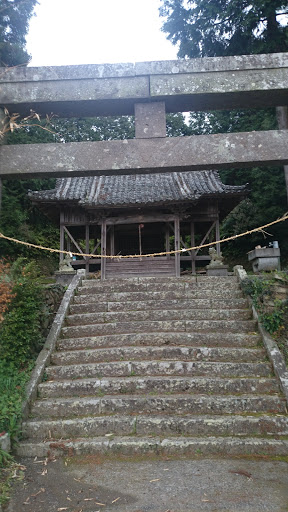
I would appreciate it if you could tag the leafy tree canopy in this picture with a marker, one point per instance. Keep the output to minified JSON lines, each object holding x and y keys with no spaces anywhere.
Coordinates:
{"x":208,"y":28}
{"x":14,"y":22}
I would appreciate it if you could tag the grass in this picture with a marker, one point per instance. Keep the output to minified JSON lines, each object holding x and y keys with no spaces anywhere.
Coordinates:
{"x":12,"y":393}
{"x":9,"y":471}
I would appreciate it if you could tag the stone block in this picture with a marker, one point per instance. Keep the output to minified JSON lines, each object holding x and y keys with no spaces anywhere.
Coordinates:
{"x":5,"y":442}
{"x":222,"y":270}
{"x":265,"y":259}
{"x":65,"y":277}
{"x":150,"y":120}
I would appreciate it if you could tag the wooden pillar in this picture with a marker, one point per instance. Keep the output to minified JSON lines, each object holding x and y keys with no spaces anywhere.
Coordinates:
{"x":87,"y":248}
{"x":177,"y":245}
{"x":193,"y":255}
{"x":112,"y":240}
{"x":103,"y":247}
{"x":167,"y":241}
{"x":62,"y":236}
{"x":217,"y":235}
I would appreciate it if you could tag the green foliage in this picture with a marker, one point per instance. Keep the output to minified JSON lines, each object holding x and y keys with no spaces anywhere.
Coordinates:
{"x":20,"y":219}
{"x":273,"y":321}
{"x":5,"y":458}
{"x":176,"y":125}
{"x":12,"y":392}
{"x":14,"y":22}
{"x":208,"y":28}
{"x":81,"y":129}
{"x":20,"y":331}
{"x":272,"y":312}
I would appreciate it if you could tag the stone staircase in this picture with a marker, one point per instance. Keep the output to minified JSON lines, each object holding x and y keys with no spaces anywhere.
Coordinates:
{"x":151,"y":365}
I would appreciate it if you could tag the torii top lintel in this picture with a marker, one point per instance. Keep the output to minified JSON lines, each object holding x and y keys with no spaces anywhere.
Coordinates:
{"x":113,"y":89}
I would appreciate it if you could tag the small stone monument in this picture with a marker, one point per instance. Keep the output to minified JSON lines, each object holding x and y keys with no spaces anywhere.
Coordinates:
{"x":265,"y":259}
{"x":66,"y":272}
{"x":216,"y":266}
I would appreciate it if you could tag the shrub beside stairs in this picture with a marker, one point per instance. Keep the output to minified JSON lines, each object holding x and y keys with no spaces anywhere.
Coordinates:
{"x":154,"y":365}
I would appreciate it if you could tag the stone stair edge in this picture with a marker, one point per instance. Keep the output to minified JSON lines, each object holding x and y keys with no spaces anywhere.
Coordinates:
{"x":168,"y":445}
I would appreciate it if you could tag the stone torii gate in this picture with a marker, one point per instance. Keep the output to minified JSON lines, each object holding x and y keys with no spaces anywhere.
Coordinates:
{"x":147,"y":90}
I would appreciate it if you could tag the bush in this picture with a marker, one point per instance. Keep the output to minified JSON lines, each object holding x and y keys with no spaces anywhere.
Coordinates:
{"x":272,"y":311}
{"x":20,"y":333}
{"x":12,"y":392}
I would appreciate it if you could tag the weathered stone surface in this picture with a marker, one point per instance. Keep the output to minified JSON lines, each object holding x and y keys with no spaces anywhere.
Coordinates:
{"x":211,"y":339}
{"x":113,"y":89}
{"x":157,"y":353}
{"x":151,"y":445}
{"x":157,"y":315}
{"x":155,"y":368}
{"x":139,"y":404}
{"x":159,"y":326}
{"x":91,"y":304}
{"x":198,"y":91}
{"x":161,"y":425}
{"x":145,"y":155}
{"x":5,"y":442}
{"x":150,"y":120}
{"x":114,"y":385}
{"x":117,"y":377}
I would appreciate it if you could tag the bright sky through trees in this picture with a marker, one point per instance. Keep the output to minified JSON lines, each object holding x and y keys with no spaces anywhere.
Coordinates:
{"x":97,"y":31}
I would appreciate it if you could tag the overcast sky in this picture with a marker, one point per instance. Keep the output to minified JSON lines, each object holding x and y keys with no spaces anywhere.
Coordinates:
{"x":97,"y":31}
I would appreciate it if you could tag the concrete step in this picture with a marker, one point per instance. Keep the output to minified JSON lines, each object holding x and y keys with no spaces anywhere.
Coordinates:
{"x":162,"y":404}
{"x":155,"y":368}
{"x":79,"y":331}
{"x":94,"y":306}
{"x":162,"y":283}
{"x":161,"y":385}
{"x":187,"y":425}
{"x":186,"y":289}
{"x":95,"y":296}
{"x":158,"y":353}
{"x":158,"y":315}
{"x":178,"y":446}
{"x":211,"y":339}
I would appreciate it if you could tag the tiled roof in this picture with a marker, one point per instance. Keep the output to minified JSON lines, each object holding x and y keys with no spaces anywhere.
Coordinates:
{"x":138,"y":189}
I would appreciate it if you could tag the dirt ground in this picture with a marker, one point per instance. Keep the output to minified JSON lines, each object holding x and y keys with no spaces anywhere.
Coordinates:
{"x":91,"y":484}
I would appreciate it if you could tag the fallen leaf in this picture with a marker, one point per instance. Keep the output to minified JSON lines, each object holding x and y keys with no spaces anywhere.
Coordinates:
{"x":88,"y":499}
{"x":44,"y":472}
{"x":241,"y":472}
{"x":77,"y":480}
{"x":39,"y":492}
{"x":155,"y":480}
{"x":101,"y":504}
{"x":114,"y":501}
{"x":27,"y":501}
{"x":62,"y":508}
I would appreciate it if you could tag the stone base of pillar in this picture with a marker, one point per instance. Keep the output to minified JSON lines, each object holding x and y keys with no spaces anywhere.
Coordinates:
{"x":222,"y":270}
{"x":64,"y":277}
